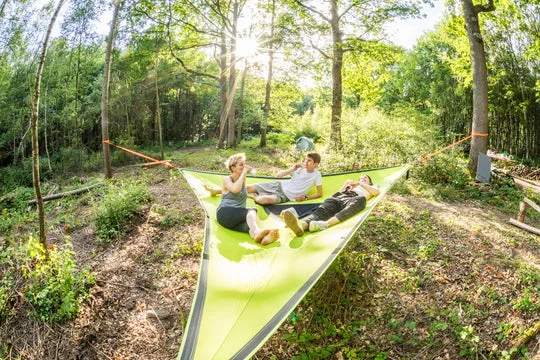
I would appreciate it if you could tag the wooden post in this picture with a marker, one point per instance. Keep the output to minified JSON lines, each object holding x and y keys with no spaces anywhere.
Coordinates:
{"x":522,"y":211}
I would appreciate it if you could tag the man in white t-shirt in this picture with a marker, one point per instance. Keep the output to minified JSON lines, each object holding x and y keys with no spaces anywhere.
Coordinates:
{"x":304,"y":176}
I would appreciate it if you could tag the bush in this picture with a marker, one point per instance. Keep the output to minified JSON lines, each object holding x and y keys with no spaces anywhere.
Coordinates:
{"x":444,"y":169}
{"x":53,"y":287}
{"x":117,"y":205}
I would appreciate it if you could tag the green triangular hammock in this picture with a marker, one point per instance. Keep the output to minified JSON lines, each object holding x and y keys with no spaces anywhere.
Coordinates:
{"x":246,"y":290}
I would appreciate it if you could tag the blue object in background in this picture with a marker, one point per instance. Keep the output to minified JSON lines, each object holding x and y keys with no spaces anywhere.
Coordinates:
{"x":304,"y":144}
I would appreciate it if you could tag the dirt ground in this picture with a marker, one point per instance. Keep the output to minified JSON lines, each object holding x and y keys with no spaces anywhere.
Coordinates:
{"x":145,"y":280}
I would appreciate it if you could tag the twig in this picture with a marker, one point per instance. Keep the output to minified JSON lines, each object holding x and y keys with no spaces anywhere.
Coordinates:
{"x":124,"y":285}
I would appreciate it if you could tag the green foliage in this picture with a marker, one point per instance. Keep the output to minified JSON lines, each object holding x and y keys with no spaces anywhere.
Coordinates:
{"x":447,"y":169}
{"x":20,"y":174}
{"x":372,"y":140}
{"x":53,"y":288}
{"x":13,"y":209}
{"x":117,"y":205}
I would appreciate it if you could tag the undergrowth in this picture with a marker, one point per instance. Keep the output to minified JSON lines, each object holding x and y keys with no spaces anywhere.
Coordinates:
{"x":51,"y":289}
{"x":117,"y":204}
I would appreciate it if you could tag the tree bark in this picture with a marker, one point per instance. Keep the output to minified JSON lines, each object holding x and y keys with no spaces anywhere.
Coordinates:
{"x":268,"y":91}
{"x":223,"y":89}
{"x":231,"y":141}
{"x":105,"y":92}
{"x":337,"y":78}
{"x":59,"y":195}
{"x":158,"y":116}
{"x":35,"y":135}
{"x":480,"y":121}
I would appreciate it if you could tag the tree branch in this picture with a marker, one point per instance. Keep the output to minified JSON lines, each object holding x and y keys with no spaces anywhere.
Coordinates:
{"x":485,"y":8}
{"x":319,"y":50}
{"x":309,"y":8}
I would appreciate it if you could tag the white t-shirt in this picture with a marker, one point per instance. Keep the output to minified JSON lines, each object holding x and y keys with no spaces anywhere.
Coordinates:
{"x":301,"y":182}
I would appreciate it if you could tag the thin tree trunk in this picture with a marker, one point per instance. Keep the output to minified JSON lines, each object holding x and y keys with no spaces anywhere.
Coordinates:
{"x":105,"y":93}
{"x":337,"y":83}
{"x":268,"y":90}
{"x":231,"y":141}
{"x":158,"y":117}
{"x":35,"y":144}
{"x":223,"y":89}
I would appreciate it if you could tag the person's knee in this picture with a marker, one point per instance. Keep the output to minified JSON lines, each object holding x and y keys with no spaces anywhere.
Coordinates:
{"x":265,"y":200}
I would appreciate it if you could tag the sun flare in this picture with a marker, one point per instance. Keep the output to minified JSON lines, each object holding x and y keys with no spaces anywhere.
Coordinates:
{"x":246,"y":47}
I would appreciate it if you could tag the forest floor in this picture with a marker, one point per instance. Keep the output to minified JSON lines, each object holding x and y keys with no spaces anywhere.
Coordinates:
{"x":146,"y":279}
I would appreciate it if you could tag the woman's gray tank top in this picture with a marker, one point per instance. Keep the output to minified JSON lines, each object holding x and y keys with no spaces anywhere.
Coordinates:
{"x":234,"y":200}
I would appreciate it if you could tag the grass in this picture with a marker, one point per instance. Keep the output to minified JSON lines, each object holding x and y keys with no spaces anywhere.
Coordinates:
{"x":434,"y":272}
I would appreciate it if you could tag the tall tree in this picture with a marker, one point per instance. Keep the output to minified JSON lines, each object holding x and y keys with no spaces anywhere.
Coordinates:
{"x":480,"y":123}
{"x":35,"y":135}
{"x":105,"y":92}
{"x":365,"y":20}
{"x":268,"y":88}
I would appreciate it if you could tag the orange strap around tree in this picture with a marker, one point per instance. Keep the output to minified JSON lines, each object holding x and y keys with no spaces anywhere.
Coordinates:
{"x":165,"y":163}
{"x":425,"y":157}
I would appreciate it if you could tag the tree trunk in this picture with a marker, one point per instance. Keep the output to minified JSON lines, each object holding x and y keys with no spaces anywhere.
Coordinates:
{"x":480,"y":122}
{"x":337,"y":85}
{"x":231,"y":141}
{"x":223,"y":89}
{"x":158,"y":117}
{"x":267,"y":104}
{"x":105,"y":92}
{"x":35,"y":135}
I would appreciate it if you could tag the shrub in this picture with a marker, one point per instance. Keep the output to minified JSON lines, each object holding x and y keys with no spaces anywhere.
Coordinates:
{"x":54,"y":287}
{"x":444,"y":169}
{"x":116,"y":206}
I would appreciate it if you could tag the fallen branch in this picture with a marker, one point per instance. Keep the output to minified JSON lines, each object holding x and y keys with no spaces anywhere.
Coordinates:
{"x":526,"y":336}
{"x":72,"y":192}
{"x":524,"y":226}
{"x":527,"y":184}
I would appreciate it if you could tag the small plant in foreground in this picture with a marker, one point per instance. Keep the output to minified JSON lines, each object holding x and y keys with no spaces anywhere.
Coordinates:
{"x":53,"y":287}
{"x":116,"y":206}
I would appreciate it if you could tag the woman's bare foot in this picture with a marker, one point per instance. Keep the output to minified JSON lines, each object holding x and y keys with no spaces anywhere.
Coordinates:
{"x":272,"y":236}
{"x":213,"y":192}
{"x":261,"y":235}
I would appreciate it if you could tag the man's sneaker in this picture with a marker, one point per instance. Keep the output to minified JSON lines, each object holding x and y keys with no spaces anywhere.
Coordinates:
{"x":318,"y":226}
{"x":292,"y":222}
{"x":291,"y":209}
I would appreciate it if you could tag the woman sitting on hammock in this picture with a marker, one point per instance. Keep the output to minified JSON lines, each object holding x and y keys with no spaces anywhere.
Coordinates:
{"x":349,"y":201}
{"x":232,"y":212}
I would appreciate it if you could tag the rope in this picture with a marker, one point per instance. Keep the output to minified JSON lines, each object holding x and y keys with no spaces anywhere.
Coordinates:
{"x":424,"y":158}
{"x":165,"y":163}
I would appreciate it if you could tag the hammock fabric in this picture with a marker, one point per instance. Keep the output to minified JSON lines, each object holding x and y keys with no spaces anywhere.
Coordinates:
{"x":246,"y":290}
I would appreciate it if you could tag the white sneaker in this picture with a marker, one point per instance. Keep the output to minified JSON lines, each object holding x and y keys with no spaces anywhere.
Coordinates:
{"x":292,"y":222}
{"x":318,"y":226}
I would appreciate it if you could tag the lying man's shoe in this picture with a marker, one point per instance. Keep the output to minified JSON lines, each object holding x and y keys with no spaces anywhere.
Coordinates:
{"x":318,"y":226}
{"x":292,"y":222}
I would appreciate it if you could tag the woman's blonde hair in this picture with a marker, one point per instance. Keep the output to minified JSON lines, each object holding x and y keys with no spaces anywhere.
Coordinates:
{"x":233,"y":160}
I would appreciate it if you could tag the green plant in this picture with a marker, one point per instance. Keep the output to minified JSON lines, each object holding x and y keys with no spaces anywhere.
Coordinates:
{"x":468,"y":342}
{"x":116,"y":206}
{"x":53,"y":287}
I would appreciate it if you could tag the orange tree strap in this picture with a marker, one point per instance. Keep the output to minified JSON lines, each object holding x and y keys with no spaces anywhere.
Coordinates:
{"x":166,"y":163}
{"x":425,"y":157}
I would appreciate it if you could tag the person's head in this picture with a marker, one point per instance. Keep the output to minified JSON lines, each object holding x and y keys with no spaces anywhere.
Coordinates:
{"x":312,"y":161}
{"x":366,"y":179}
{"x":236,"y":161}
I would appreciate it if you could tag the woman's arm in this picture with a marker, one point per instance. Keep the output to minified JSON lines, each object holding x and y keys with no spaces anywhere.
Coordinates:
{"x":372,"y":189}
{"x":348,"y":183}
{"x":235,"y":187}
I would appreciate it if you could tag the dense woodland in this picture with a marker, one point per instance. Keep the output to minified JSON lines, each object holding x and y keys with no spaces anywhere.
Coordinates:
{"x":176,"y":68}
